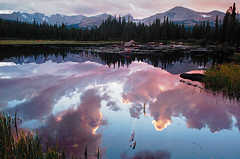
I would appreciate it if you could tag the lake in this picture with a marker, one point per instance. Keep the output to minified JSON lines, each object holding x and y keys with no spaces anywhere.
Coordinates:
{"x":128,"y":106}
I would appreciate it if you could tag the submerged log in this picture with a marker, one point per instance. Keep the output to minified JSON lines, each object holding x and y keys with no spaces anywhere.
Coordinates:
{"x":193,"y":76}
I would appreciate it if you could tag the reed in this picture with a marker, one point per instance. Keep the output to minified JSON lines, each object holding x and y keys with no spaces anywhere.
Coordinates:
{"x":19,"y":144}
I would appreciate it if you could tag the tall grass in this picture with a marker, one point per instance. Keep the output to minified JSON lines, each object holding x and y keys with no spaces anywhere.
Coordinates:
{"x":19,"y":144}
{"x":224,"y":79}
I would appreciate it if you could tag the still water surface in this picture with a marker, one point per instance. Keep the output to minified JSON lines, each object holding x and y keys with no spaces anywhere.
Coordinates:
{"x":135,"y":109}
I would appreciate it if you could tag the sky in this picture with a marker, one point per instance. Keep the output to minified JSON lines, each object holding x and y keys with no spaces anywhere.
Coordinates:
{"x":138,"y":8}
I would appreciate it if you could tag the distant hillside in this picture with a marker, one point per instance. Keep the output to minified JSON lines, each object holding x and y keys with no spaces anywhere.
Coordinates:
{"x":40,"y":18}
{"x":179,"y":15}
{"x":88,"y":22}
{"x":185,"y":16}
{"x":94,"y":21}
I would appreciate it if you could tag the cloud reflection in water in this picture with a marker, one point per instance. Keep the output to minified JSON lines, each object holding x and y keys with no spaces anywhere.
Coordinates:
{"x":75,"y":129}
{"x":121,"y":89}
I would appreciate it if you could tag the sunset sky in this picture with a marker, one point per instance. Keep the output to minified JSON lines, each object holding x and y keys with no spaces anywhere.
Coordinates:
{"x":138,"y":8}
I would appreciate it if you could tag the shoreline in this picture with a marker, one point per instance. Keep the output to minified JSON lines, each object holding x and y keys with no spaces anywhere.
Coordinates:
{"x":57,"y":43}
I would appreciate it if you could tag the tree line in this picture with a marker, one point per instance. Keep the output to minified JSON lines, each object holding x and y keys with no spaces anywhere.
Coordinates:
{"x":122,"y":29}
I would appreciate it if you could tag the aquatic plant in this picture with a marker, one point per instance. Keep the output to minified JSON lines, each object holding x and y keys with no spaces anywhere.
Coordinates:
{"x":18,"y":144}
{"x":224,"y":79}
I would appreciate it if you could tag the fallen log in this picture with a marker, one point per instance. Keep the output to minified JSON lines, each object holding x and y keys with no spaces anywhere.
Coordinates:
{"x":193,"y":76}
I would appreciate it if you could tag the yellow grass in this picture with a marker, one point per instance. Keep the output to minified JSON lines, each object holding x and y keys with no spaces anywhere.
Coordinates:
{"x":53,"y":42}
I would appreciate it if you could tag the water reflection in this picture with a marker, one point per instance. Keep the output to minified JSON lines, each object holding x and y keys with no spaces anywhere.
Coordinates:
{"x":149,"y":155}
{"x":76,"y":128}
{"x":176,"y":63}
{"x":167,"y":98}
{"x":160,"y":125}
{"x":81,"y":103}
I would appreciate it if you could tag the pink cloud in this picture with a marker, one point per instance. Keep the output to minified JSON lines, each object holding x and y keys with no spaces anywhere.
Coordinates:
{"x":167,"y":98}
{"x":42,"y":90}
{"x":138,"y":8}
{"x":75,"y":129}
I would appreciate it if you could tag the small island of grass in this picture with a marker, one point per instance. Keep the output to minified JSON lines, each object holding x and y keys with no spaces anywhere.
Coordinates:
{"x":224,"y":79}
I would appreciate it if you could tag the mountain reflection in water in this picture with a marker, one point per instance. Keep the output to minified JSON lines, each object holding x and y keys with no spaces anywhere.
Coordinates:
{"x":81,"y":101}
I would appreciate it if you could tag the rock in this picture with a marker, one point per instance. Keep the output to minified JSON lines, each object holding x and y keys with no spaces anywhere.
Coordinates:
{"x":180,"y":43}
{"x":193,"y":77}
{"x":130,"y":43}
{"x":152,"y":43}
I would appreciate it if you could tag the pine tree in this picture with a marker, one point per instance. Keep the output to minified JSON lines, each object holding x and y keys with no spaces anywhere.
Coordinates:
{"x":216,"y":28}
{"x":234,"y":11}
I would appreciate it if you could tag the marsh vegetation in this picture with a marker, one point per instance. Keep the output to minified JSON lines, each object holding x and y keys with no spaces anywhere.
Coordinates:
{"x":224,"y":79}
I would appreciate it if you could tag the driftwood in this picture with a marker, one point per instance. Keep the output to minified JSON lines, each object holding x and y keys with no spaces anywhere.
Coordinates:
{"x":193,"y":76}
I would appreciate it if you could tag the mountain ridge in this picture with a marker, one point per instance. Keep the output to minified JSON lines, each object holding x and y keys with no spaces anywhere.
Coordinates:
{"x":186,"y":16}
{"x":177,"y":14}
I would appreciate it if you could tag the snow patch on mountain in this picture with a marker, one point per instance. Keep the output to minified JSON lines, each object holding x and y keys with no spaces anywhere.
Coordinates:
{"x":24,"y":16}
{"x":6,"y":11}
{"x":206,"y":16}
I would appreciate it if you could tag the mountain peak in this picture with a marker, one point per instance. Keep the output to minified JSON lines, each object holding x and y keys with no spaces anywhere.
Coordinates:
{"x":128,"y":15}
{"x":103,"y":15}
{"x":178,"y":14}
{"x":182,"y":15}
{"x":180,"y":9}
{"x":215,"y":12}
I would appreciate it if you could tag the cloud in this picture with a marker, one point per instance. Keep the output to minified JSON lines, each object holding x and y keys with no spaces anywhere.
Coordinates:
{"x":76,"y":129}
{"x":136,"y":111}
{"x":200,"y":110}
{"x":36,"y":93}
{"x":162,"y":93}
{"x":20,"y":88}
{"x":41,"y":97}
{"x":145,"y":85}
{"x":167,"y":98}
{"x":138,"y":8}
{"x":113,"y":106}
{"x":160,"y":124}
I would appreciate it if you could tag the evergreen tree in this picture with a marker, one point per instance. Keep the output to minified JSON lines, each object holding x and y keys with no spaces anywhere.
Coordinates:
{"x":216,"y":28}
{"x":120,"y":29}
{"x":234,"y":11}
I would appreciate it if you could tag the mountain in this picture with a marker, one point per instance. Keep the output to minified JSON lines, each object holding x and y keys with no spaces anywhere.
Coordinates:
{"x":179,"y":15}
{"x":88,"y":22}
{"x":54,"y":58}
{"x":40,"y":18}
{"x":185,"y":16}
{"x":78,"y":21}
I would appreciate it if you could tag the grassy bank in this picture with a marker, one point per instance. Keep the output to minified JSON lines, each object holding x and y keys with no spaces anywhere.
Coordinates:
{"x":224,"y":79}
{"x":54,"y":42}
